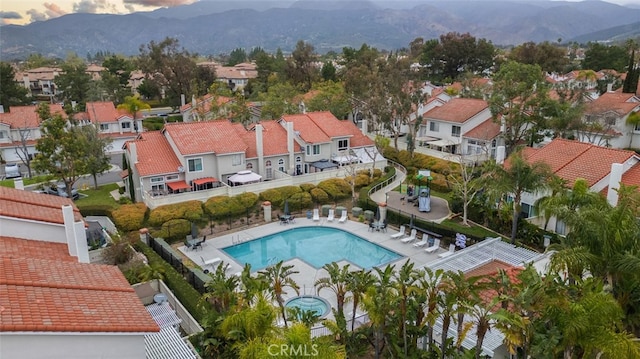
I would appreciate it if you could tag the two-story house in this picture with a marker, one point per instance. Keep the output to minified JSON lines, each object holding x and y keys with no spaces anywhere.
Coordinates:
{"x":207,"y":155}
{"x":39,"y":81}
{"x":119,"y":125}
{"x":447,"y":127}
{"x":605,"y":121}
{"x":20,"y":130}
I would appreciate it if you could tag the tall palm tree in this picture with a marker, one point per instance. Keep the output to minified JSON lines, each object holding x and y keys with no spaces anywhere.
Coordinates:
{"x":221,"y":290}
{"x":357,"y":283}
{"x":482,"y":315}
{"x":378,"y":301}
{"x":447,"y":302}
{"x":279,"y":277}
{"x":337,"y":282}
{"x":405,"y":280}
{"x":133,"y":104}
{"x":518,"y":177}
{"x":465,"y":289}
{"x":428,"y":310}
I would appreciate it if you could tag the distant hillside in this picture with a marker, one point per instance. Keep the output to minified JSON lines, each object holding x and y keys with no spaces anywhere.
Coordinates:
{"x":213,"y":27}
{"x":618,"y":33}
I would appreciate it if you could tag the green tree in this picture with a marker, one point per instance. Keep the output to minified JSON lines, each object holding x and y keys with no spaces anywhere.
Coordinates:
{"x":378,"y":301}
{"x":96,"y":161}
{"x":405,"y":280}
{"x":133,"y":104}
{"x":550,"y":57}
{"x":516,"y":178}
{"x":62,"y":149}
{"x":222,"y":290}
{"x":519,"y":91}
{"x":279,"y":278}
{"x":11,"y":93}
{"x":279,"y":100}
{"x":633,"y":120}
{"x":358,"y":282}
{"x":300,"y":68}
{"x":336,"y":282}
{"x":330,"y":96}
{"x":73,"y":82}
{"x":328,"y":72}
{"x":37,"y":60}
{"x":237,"y":55}
{"x":600,"y":56}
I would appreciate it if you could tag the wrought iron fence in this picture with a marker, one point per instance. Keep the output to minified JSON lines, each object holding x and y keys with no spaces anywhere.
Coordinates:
{"x":167,"y":253}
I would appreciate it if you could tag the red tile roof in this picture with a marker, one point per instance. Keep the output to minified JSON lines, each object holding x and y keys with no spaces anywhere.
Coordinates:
{"x":487,"y":130}
{"x":572,"y":159}
{"x":204,"y":103}
{"x":42,"y":293}
{"x":205,"y":137}
{"x":34,"y":206}
{"x":27,"y":116}
{"x":320,"y":127}
{"x":618,"y":102}
{"x":458,"y":110}
{"x":632,"y":176}
{"x":155,"y":155}
{"x":274,"y":139}
{"x":306,"y":128}
{"x":490,"y":270}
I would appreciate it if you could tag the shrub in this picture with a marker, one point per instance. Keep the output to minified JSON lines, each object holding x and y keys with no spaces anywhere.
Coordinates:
{"x":272,"y":195}
{"x":190,"y":210}
{"x":129,"y":217}
{"x":221,"y":207}
{"x":362,"y":180}
{"x":336,"y":188}
{"x":319,"y":196}
{"x":307,"y":187}
{"x":299,"y":201}
{"x":124,"y":200}
{"x":173,"y":230}
{"x":246,"y":200}
{"x":288,"y":191}
{"x":96,"y":210}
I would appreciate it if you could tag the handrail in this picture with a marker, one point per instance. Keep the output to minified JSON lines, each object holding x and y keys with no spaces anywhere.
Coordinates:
{"x":389,"y":180}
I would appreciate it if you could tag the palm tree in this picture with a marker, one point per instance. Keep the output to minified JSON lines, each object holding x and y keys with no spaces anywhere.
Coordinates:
{"x":133,"y":104}
{"x":337,"y":281}
{"x":251,"y":323}
{"x":482,"y":315}
{"x":465,"y":289}
{"x":221,"y":290}
{"x":405,"y":283}
{"x":428,"y":310}
{"x":279,"y":277}
{"x":378,"y":302}
{"x":518,"y":177}
{"x":633,"y":120}
{"x":357,"y":283}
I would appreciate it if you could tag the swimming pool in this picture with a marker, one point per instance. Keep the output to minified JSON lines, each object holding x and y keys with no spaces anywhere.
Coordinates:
{"x":316,"y":246}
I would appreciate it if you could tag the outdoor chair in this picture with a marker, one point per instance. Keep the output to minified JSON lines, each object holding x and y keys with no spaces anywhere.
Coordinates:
{"x":199,"y":244}
{"x":401,"y":233}
{"x":411,"y":237}
{"x":316,"y":214}
{"x":331,"y":215}
{"x":343,"y":217}
{"x":452,"y":249}
{"x":187,"y":244}
{"x":425,"y":240}
{"x":434,"y":247}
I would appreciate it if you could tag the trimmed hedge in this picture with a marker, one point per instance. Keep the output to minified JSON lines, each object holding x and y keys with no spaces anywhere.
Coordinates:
{"x":336,"y":188}
{"x":272,"y":195}
{"x":186,"y":294}
{"x":190,"y":210}
{"x":221,"y":207}
{"x":299,"y":201}
{"x":129,"y":217}
{"x":320,"y":196}
{"x":307,"y":187}
{"x":173,"y":230}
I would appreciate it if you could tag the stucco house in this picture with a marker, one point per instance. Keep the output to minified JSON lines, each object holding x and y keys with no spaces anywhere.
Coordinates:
{"x":603,"y":168}
{"x":199,"y":159}
{"x":606,"y":121}
{"x":55,"y":304}
{"x":119,"y":125}
{"x":21,"y":123}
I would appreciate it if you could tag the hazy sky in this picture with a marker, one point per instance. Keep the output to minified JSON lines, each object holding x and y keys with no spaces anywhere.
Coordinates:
{"x":26,"y":11}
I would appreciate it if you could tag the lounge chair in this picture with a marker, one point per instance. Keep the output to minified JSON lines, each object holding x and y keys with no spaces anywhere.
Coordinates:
{"x":425,"y":240}
{"x":343,"y":217}
{"x":316,"y":214}
{"x":211,"y":261}
{"x":411,"y":238}
{"x":188,"y":245}
{"x":401,"y":233}
{"x":434,"y":247}
{"x":452,"y":249}
{"x":331,"y":215}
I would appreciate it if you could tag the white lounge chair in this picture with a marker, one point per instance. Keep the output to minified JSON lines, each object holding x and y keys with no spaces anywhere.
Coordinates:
{"x":411,"y":238}
{"x":434,"y":247}
{"x":211,"y":261}
{"x":401,"y":233}
{"x":331,"y":215}
{"x":316,"y":214}
{"x":343,"y":217}
{"x":425,"y":240}
{"x":452,"y":248}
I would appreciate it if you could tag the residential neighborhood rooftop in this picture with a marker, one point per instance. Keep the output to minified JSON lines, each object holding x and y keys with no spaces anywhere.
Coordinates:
{"x":457,"y":110}
{"x":34,"y":206}
{"x":27,"y":116}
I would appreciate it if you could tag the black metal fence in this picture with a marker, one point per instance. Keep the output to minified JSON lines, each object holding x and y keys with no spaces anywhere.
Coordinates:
{"x":167,"y":253}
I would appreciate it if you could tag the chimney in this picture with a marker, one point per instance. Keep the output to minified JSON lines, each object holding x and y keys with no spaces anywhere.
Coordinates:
{"x":133,"y":153}
{"x":609,"y":87}
{"x":500,"y":154}
{"x":290,"y":148}
{"x":260,"y":148}
{"x":614,"y":183}
{"x":25,"y":82}
{"x":182,"y":100}
{"x":364,"y":126}
{"x":76,"y":235}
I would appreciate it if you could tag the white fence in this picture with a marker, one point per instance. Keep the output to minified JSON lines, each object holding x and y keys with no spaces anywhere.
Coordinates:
{"x":314,"y":178}
{"x":321,"y":330}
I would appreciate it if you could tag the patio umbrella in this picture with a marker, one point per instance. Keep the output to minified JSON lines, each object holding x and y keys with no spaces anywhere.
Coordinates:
{"x":286,"y":208}
{"x":377,"y":216}
{"x":194,"y":230}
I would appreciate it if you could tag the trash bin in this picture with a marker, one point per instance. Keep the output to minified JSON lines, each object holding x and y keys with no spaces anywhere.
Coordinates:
{"x":309,"y":214}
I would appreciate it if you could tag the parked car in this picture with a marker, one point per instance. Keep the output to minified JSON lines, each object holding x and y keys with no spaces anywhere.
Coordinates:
{"x":60,"y":191}
{"x":12,"y":171}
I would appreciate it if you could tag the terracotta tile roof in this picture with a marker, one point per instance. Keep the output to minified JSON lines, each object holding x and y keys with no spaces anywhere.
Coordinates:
{"x":491,"y":269}
{"x":319,"y":127}
{"x":204,"y":103}
{"x":155,"y":155}
{"x":307,"y":128}
{"x":44,"y":294}
{"x":101,"y":112}
{"x":458,"y":110}
{"x":27,"y":116}
{"x":618,"y":102}
{"x":632,"y":176}
{"x":274,"y":139}
{"x":34,"y":206}
{"x":571,"y":160}
{"x":487,"y":130}
{"x":205,"y":137}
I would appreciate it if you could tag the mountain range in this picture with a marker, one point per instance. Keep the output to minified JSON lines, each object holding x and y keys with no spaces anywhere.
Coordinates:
{"x":214,"y":27}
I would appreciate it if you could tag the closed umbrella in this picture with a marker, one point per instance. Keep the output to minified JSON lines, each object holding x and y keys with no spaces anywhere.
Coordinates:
{"x":286,"y":208}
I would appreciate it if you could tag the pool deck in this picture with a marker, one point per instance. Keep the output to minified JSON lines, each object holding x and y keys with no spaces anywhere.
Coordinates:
{"x":307,"y":274}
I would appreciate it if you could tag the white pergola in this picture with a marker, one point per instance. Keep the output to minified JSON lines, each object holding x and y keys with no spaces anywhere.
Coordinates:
{"x":166,"y":344}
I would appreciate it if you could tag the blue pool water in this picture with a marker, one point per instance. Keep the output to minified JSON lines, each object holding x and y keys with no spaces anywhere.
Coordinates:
{"x":316,"y":246}
{"x":313,"y":303}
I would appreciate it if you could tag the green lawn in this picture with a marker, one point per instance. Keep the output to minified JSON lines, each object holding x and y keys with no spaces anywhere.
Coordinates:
{"x":476,"y":231}
{"x":101,"y":196}
{"x":27,"y":181}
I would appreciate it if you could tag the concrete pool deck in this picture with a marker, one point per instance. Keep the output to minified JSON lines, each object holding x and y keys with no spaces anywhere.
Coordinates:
{"x":307,"y":274}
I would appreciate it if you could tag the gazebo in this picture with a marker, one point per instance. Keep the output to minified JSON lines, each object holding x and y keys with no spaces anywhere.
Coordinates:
{"x":244,"y":177}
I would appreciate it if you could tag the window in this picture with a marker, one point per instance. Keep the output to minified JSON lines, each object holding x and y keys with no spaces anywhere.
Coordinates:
{"x":268,"y":169}
{"x":561,"y":227}
{"x":527,"y":211}
{"x":236,"y":160}
{"x":249,"y":166}
{"x":125,"y":125}
{"x":455,"y":131}
{"x":172,"y":178}
{"x":157,"y":179}
{"x":281,"y":165}
{"x":195,"y":164}
{"x":316,"y":149}
{"x":474,"y":147}
{"x":343,"y":145}
{"x":434,"y":126}
{"x":3,"y":134}
{"x":298,"y":165}
{"x":105,"y":126}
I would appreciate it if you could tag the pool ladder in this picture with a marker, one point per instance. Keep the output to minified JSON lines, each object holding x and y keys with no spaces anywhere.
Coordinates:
{"x":238,"y":239}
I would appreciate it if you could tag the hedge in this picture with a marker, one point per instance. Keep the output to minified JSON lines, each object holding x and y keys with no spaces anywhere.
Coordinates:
{"x":96,"y":210}
{"x":299,"y":201}
{"x":320,"y":196}
{"x":186,"y":294}
{"x":190,"y":210}
{"x":129,"y":217}
{"x":173,"y":230}
{"x":336,"y":188}
{"x":221,"y":207}
{"x":272,"y":195}
{"x":307,"y":187}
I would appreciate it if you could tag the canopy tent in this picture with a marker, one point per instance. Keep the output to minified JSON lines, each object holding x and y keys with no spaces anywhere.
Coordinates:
{"x":367,"y":154}
{"x":345,"y":159}
{"x":178,"y":185}
{"x":444,"y":143}
{"x":244,"y":177}
{"x":324,"y":164}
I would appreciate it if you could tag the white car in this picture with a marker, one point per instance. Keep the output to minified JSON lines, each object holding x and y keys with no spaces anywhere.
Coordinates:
{"x":12,"y":171}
